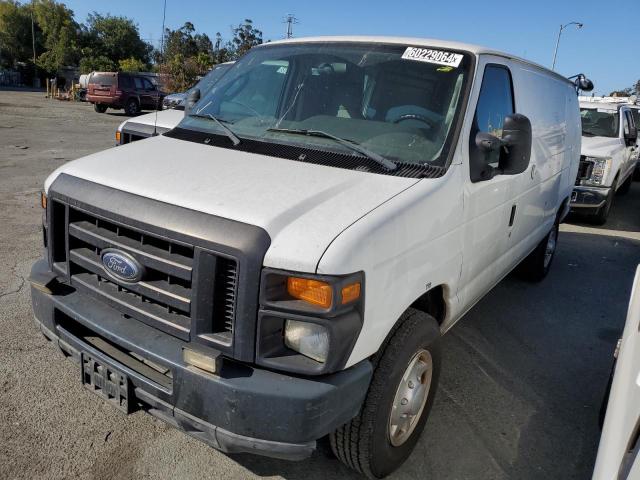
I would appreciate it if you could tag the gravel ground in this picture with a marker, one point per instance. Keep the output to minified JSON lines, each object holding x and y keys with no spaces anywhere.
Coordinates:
{"x":524,"y":371}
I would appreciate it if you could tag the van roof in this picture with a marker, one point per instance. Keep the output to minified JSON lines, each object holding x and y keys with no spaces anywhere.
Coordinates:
{"x":414,"y":41}
{"x":610,"y":106}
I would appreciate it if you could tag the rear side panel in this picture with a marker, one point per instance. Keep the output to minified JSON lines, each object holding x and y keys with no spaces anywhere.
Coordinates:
{"x":551,"y":105}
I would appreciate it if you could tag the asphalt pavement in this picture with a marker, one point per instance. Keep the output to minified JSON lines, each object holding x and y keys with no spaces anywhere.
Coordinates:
{"x":523,"y":374}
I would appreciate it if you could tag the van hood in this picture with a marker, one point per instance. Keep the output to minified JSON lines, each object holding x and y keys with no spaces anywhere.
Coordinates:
{"x":165,"y":119}
{"x":600,"y":146}
{"x":303,"y":207}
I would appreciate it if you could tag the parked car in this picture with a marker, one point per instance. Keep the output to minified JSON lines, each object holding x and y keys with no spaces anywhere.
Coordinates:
{"x":608,"y":159}
{"x":177,"y":100}
{"x":129,"y":91}
{"x":281,"y":266}
{"x":149,"y":125}
{"x":619,"y":450}
{"x":157,"y":123}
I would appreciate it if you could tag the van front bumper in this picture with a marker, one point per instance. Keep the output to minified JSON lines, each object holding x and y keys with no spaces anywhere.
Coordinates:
{"x":585,"y":199}
{"x":241,"y":409}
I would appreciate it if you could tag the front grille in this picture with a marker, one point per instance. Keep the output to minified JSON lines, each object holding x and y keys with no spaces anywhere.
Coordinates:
{"x":585,"y":169}
{"x":165,"y":297}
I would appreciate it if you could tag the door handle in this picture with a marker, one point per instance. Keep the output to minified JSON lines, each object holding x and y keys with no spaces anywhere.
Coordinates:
{"x":513,"y":215}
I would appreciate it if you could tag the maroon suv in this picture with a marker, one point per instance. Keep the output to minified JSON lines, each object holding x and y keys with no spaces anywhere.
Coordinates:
{"x":131,"y":91}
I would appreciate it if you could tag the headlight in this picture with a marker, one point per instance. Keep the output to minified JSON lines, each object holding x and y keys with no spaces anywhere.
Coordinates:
{"x":308,"y":323}
{"x":309,"y":339}
{"x":601,"y":166}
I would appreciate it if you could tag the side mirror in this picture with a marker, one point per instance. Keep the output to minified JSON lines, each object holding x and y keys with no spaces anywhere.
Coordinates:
{"x":516,"y":133}
{"x":583,"y":83}
{"x":192,"y":98}
{"x":512,"y":152}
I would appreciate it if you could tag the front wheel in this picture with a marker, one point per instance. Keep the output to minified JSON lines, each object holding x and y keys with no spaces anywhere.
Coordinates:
{"x":99,"y":108}
{"x":626,"y":186}
{"x":400,"y":396}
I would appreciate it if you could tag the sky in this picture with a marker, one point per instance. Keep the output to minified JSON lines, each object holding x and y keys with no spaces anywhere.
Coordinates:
{"x":606,"y":49}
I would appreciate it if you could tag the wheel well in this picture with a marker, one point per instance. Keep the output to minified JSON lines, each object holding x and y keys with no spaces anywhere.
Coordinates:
{"x":432,"y":302}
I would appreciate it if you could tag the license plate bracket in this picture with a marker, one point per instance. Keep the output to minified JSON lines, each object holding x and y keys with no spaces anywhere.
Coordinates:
{"x":107,"y":382}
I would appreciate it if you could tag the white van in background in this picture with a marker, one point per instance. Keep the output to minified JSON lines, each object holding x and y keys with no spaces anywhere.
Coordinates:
{"x":157,"y":123}
{"x":281,"y":266}
{"x":608,"y":160}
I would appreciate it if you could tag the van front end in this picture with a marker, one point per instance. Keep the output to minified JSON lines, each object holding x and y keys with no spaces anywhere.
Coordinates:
{"x":158,"y":306}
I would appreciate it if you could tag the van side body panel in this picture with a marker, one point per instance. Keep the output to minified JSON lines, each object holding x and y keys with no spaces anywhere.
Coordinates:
{"x":456,"y":233}
{"x":406,"y":246}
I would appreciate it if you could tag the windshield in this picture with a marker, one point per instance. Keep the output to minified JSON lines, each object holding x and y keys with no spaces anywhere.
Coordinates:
{"x":209,"y":80}
{"x":390,"y":101}
{"x":599,"y":122}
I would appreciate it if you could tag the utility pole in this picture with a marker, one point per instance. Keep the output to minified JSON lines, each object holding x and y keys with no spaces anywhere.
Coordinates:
{"x":562,"y":27}
{"x":33,"y":44}
{"x":290,"y":20}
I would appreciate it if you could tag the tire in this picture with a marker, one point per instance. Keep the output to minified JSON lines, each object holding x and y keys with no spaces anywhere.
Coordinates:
{"x":626,"y":186}
{"x":366,"y":443}
{"x":600,"y":218}
{"x":536,"y":266}
{"x":131,"y":108}
{"x":99,"y":108}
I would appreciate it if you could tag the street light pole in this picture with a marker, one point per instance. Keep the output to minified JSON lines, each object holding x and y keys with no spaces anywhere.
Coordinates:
{"x":562,"y":27}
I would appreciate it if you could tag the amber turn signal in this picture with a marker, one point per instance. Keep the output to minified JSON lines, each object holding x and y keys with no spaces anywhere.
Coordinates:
{"x":350,"y":293}
{"x":118,"y":136}
{"x":314,"y":292}
{"x":43,"y":200}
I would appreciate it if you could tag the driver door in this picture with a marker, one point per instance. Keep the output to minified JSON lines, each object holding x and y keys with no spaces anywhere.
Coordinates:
{"x":488,"y":202}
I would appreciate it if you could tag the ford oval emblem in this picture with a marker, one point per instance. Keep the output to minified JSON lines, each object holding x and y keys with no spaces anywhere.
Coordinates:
{"x":121,"y":265}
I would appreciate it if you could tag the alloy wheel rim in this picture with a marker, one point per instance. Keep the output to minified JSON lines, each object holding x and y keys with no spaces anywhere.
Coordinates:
{"x":411,"y":397}
{"x":551,"y":247}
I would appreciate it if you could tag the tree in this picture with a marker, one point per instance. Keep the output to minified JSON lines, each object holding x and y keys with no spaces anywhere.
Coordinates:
{"x":15,"y":34}
{"x":185,"y":42}
{"x":182,"y":73}
{"x":627,"y":92}
{"x":60,"y":34}
{"x":100,"y":63}
{"x":245,"y":36}
{"x":132,"y":65}
{"x":116,"y":38}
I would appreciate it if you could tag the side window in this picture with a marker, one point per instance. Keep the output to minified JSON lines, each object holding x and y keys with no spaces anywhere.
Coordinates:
{"x":147,"y":84}
{"x":139,"y":83}
{"x":635,"y":113}
{"x":627,"y":122}
{"x":125,"y":82}
{"x":495,"y":103}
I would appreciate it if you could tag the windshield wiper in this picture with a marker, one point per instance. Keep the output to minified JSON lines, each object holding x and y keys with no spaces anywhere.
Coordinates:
{"x":351,"y":144}
{"x":228,"y":132}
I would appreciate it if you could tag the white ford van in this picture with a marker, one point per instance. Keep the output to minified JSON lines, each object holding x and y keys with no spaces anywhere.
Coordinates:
{"x":281,"y":265}
{"x":608,"y":157}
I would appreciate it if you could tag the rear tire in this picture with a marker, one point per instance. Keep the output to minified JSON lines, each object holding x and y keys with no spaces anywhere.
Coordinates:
{"x":131,"y":108}
{"x":99,"y":108}
{"x":537,"y":265}
{"x":406,"y":371}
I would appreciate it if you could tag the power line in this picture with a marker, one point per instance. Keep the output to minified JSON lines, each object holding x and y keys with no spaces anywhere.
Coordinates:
{"x":290,"y":20}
